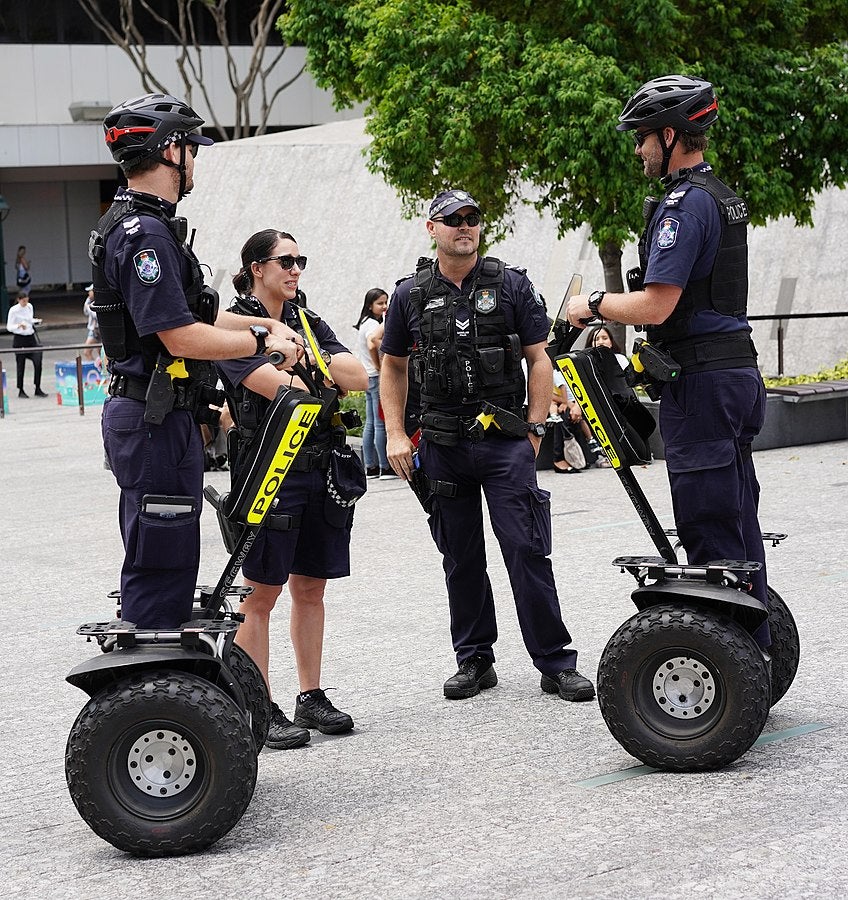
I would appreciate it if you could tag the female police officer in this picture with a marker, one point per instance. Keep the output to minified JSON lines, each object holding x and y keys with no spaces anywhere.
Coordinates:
{"x":312,"y":549}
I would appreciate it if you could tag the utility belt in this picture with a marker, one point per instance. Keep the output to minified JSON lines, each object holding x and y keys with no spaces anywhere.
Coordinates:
{"x":652,"y":366}
{"x":448,"y":430}
{"x":715,"y":351}
{"x":160,"y":397}
{"x":310,"y":459}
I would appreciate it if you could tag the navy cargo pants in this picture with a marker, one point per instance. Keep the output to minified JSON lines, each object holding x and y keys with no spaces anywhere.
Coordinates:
{"x":162,"y":555}
{"x":708,"y":421}
{"x":520,"y":514}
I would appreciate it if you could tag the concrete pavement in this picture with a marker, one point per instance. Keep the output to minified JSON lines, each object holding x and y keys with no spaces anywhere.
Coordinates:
{"x":509,"y":794}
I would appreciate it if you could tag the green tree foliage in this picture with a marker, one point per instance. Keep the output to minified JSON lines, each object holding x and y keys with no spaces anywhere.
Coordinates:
{"x":488,"y":94}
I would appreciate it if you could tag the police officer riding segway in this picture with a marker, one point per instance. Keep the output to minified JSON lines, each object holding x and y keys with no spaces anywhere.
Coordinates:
{"x":162,"y":759}
{"x":690,"y":295}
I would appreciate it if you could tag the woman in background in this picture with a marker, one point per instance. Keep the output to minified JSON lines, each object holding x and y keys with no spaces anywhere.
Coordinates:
{"x":370,"y":327}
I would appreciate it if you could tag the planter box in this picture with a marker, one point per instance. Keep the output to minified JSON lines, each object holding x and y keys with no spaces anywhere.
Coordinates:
{"x":800,"y":414}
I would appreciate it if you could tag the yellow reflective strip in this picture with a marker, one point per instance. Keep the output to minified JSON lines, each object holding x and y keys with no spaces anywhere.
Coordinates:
{"x":566,"y":366}
{"x":292,"y":440}
{"x":314,"y":345}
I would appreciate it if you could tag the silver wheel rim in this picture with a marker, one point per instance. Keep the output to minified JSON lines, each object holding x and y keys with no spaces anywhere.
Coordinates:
{"x":683,"y":688}
{"x":161,"y":763}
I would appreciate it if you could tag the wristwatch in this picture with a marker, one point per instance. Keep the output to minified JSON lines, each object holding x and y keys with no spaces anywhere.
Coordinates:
{"x":537,"y":428}
{"x":595,"y":299}
{"x":260,"y":332}
{"x":326,"y":357}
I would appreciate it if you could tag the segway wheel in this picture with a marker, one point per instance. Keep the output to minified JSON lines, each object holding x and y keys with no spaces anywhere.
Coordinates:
{"x":161,"y":763}
{"x":250,"y":680}
{"x":683,"y":688}
{"x":785,"y":650}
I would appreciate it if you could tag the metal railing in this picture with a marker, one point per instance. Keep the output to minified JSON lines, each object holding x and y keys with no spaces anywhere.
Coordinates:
{"x":41,"y":348}
{"x":780,"y":318}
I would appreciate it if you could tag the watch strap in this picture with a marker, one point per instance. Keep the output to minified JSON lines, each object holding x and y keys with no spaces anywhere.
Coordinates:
{"x":595,"y":299}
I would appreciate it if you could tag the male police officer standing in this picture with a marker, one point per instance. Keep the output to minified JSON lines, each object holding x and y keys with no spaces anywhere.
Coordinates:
{"x":156,"y":320}
{"x":472,"y":320}
{"x":692,"y":295}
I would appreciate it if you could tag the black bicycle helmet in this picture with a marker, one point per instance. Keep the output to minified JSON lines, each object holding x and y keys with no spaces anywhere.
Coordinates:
{"x":139,"y":128}
{"x":672,"y":101}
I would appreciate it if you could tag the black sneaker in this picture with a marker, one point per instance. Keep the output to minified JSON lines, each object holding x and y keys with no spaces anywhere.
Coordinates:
{"x":569,"y":684}
{"x":372,"y":472}
{"x":386,"y":474}
{"x":39,"y":393}
{"x":283,"y":735}
{"x":313,"y":710}
{"x":23,"y":393}
{"x":475,"y":674}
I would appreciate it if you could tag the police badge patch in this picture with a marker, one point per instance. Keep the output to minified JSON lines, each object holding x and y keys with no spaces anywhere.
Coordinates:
{"x":147,"y":266}
{"x":536,"y":295}
{"x":667,"y":235}
{"x":486,"y":300}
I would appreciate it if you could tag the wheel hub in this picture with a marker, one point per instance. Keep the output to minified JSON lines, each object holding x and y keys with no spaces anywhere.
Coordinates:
{"x":683,"y":687}
{"x":161,"y":763}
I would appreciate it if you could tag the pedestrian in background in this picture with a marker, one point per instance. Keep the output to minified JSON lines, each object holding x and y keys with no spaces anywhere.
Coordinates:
{"x":20,"y":323}
{"x":93,"y":330}
{"x":370,"y":327}
{"x":23,"y":278}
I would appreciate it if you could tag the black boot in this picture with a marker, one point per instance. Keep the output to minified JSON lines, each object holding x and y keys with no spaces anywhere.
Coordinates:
{"x":474,"y":674}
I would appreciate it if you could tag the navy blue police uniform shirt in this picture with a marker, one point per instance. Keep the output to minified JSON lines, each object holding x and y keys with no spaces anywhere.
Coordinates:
{"x":683,"y":240}
{"x":521,"y":304}
{"x":235,"y":371}
{"x":145,"y":265}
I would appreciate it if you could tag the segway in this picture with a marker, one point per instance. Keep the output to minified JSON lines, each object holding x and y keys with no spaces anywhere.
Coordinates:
{"x":162,"y":759}
{"x":682,"y":685}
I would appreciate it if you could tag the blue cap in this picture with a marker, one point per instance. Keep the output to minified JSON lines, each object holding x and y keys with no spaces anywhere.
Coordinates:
{"x":450,"y":201}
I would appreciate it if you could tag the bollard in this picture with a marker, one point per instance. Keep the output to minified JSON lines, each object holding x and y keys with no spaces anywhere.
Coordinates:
{"x":80,"y":391}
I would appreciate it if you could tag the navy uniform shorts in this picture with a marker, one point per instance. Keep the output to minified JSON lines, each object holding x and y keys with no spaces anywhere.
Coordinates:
{"x":316,"y":549}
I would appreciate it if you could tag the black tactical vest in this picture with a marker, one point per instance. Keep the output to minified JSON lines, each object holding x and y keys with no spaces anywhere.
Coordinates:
{"x":725,"y":289}
{"x":248,"y":408}
{"x":117,"y":329}
{"x":466,"y":354}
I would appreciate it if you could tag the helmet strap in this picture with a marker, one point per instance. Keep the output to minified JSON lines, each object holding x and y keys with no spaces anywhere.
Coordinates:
{"x":180,"y":167}
{"x":666,"y":150}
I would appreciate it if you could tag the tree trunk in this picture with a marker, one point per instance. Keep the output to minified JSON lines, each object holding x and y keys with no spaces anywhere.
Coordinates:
{"x":610,"y":255}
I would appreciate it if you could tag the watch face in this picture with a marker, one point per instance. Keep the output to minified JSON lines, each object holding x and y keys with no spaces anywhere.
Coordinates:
{"x":538,"y":429}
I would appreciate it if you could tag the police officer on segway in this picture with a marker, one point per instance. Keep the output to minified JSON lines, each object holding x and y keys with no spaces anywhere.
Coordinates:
{"x":691,"y":293}
{"x":472,"y":322}
{"x":156,"y":319}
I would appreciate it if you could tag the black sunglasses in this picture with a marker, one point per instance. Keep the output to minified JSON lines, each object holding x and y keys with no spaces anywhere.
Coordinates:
{"x":286,"y":262}
{"x":641,"y":136}
{"x":454,"y":220}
